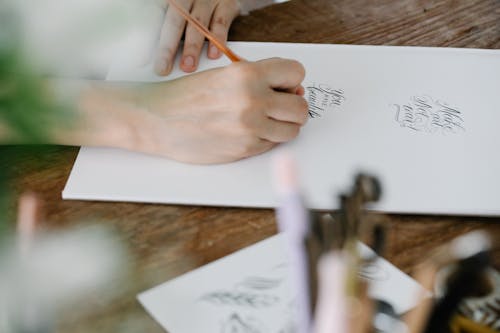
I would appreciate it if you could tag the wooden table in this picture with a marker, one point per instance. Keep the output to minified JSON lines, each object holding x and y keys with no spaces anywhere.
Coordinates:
{"x":165,"y":241}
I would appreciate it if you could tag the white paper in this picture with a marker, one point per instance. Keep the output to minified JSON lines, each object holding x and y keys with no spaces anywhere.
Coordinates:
{"x":247,"y":6}
{"x":424,"y":120}
{"x":251,"y":289}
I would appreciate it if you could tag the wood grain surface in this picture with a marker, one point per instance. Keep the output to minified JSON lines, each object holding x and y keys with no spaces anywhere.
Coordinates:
{"x":165,"y":241}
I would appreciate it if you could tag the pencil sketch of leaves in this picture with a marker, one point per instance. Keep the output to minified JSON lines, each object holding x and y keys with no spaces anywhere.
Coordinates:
{"x":243,"y":299}
{"x":260,"y":283}
{"x":236,"y":324}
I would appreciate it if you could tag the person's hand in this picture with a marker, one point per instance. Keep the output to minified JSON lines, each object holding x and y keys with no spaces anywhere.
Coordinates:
{"x":215,"y":116}
{"x":224,"y":114}
{"x":216,"y":15}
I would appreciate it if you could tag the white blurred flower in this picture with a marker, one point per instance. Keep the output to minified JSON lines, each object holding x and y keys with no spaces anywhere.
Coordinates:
{"x":59,"y":269}
{"x":86,"y":36}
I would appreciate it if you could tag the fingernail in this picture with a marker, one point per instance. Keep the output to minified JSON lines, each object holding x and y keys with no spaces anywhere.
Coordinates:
{"x":188,"y":61}
{"x":300,"y":91}
{"x":161,"y":66}
{"x":213,"y":52}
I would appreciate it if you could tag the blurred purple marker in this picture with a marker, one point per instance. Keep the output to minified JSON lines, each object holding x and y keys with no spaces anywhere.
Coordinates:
{"x":293,"y":221}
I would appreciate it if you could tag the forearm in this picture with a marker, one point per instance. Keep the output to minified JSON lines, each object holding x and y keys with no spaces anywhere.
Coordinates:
{"x":214,"y":116}
{"x":61,"y":111}
{"x":100,"y":113}
{"x":97,"y":113}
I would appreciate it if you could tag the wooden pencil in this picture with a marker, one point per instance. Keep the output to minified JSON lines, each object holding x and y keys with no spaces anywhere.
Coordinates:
{"x":204,"y":31}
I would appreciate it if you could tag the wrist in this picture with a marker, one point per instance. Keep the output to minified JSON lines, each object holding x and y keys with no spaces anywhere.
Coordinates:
{"x":145,"y":118}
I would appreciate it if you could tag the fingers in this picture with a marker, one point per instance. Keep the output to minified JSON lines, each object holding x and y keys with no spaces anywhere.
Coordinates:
{"x":300,"y":91}
{"x":170,"y":36}
{"x":289,"y":108}
{"x":258,"y":147}
{"x":224,"y":14}
{"x":282,"y":74}
{"x":217,"y":14}
{"x":278,"y":131}
{"x":286,"y":104}
{"x":202,"y":11}
{"x":272,"y":115}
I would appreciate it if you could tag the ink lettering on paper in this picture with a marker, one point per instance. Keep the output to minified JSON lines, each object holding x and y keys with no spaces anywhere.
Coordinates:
{"x":323,"y":98}
{"x":422,"y":113}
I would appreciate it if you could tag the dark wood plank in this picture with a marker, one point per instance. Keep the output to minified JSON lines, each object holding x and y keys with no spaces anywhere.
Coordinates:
{"x":449,"y":23}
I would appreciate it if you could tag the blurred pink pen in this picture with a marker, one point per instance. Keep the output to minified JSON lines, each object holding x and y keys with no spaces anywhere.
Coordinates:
{"x":293,"y":221}
{"x":331,"y":308}
{"x":26,"y":222}
{"x":32,"y":314}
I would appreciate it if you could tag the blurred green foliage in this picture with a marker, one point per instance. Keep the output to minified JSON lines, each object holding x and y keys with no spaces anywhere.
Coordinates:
{"x":25,"y":108}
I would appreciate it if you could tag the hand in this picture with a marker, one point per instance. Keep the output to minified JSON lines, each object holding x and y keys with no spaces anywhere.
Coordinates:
{"x":224,"y":114}
{"x":217,"y":15}
{"x":214,"y":116}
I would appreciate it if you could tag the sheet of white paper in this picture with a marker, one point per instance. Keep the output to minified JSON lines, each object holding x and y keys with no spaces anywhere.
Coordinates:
{"x":424,"y":120}
{"x":250,"y":288}
{"x":250,"y":5}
